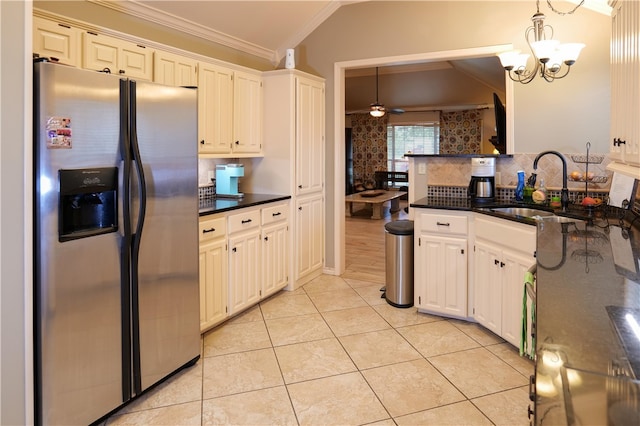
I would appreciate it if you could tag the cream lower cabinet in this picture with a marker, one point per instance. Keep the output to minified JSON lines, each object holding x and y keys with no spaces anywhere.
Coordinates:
{"x":245,"y":284}
{"x":213,"y":271}
{"x":309,"y":237}
{"x":275,"y":248}
{"x":440,"y":262}
{"x":503,"y":252}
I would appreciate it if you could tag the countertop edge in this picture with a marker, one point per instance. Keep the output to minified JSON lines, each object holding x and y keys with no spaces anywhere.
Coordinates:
{"x":249,"y":200}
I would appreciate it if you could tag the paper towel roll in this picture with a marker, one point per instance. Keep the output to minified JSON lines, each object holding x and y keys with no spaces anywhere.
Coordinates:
{"x":621,"y":189}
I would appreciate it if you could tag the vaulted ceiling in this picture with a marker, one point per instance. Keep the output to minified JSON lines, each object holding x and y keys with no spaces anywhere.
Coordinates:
{"x":264,"y":28}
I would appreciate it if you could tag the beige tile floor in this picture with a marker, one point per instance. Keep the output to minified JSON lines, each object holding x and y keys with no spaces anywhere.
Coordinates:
{"x":334,"y":353}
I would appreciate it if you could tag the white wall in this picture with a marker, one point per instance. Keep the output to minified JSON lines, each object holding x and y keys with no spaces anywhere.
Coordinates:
{"x":16,"y":354}
{"x":563,"y":115}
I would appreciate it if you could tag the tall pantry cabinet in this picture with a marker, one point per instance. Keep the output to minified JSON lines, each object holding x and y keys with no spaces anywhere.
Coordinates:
{"x":625,"y":83}
{"x":294,"y":162}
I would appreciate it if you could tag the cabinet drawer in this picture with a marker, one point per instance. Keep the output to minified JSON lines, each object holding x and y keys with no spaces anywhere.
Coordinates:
{"x":443,"y":223}
{"x":210,"y":229}
{"x":245,"y":220}
{"x":275,"y":213}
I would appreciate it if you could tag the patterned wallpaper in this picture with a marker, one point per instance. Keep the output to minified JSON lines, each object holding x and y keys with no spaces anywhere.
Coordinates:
{"x":369,"y":141}
{"x":460,"y":132}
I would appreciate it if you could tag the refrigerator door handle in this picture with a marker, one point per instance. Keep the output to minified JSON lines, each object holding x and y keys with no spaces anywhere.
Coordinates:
{"x":136,"y":237}
{"x":125,"y":249}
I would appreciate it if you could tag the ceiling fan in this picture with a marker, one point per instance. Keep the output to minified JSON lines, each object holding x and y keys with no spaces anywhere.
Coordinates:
{"x":377,"y":109}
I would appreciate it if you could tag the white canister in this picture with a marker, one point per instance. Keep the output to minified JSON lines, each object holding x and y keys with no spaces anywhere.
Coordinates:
{"x":290,"y":60}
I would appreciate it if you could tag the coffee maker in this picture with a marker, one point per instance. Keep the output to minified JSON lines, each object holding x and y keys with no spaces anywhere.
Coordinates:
{"x":482,"y":187}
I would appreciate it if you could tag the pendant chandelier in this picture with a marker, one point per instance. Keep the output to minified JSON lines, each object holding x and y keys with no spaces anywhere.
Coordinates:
{"x":552,"y":59}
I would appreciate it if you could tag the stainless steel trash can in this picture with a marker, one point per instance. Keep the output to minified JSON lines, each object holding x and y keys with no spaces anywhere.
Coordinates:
{"x":398,"y":241}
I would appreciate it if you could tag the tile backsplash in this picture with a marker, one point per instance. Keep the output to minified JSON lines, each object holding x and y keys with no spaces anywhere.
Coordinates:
{"x":455,"y":171}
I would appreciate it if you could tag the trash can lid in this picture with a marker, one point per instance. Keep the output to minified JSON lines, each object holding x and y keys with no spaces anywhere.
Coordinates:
{"x":399,"y":227}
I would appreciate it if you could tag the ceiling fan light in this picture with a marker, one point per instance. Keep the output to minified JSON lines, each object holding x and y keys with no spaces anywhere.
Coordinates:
{"x":377,"y":110}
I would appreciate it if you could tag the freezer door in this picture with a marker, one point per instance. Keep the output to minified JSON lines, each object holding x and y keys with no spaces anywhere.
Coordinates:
{"x":168,"y":295}
{"x":77,"y":282}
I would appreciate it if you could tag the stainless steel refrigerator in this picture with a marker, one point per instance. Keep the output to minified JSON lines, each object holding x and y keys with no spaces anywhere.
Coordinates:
{"x":115,"y":239}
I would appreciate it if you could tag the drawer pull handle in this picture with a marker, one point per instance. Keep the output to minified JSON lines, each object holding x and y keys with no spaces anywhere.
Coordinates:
{"x":442,"y":223}
{"x":206,"y":231}
{"x":246,"y":221}
{"x":496,"y":261}
{"x":276,"y":214}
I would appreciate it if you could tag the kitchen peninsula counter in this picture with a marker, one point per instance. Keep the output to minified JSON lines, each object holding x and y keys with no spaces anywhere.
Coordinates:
{"x":588,"y":300}
{"x":215,"y":205}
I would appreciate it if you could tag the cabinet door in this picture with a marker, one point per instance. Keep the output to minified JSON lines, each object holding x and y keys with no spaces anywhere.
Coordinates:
{"x":309,"y":235}
{"x":515,"y":266}
{"x":247,"y":113}
{"x":55,"y":40}
{"x":119,"y":56}
{"x":309,"y":136}
{"x":215,"y":109}
{"x":625,"y":82}
{"x":275,"y":258}
{"x":213,"y":283}
{"x":488,"y":286}
{"x":174,"y":70}
{"x":442,"y":273}
{"x":244,"y":271}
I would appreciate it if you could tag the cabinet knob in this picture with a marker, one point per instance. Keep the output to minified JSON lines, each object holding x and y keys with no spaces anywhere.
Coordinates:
{"x":496,"y":261}
{"x":618,"y":142}
{"x":266,"y":238}
{"x":202,"y":142}
{"x":300,"y":208}
{"x":234,"y":250}
{"x":299,"y":186}
{"x":237,"y":142}
{"x":502,"y":264}
{"x":120,"y":71}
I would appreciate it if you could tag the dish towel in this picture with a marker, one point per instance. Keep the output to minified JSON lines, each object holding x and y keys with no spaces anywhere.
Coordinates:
{"x":528,"y":289}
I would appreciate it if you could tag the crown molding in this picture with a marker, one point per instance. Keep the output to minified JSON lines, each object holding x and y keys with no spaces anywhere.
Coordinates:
{"x":138,"y":10}
{"x":308,"y":28}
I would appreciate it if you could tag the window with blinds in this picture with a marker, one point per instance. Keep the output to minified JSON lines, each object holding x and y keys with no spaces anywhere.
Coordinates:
{"x":415,"y":138}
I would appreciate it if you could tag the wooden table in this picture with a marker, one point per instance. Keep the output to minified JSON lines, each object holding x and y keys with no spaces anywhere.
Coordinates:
{"x":375,"y":198}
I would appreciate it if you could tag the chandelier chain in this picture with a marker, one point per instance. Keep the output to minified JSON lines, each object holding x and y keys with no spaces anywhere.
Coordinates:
{"x":563,"y":13}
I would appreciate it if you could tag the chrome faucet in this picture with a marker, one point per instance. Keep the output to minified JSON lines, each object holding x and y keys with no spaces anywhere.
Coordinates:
{"x":564,"y":194}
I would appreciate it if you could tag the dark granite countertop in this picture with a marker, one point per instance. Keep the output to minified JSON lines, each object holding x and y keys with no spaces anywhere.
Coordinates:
{"x":588,"y":298}
{"x":209,"y":206}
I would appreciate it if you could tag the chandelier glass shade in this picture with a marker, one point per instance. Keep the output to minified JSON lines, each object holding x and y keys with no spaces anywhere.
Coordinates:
{"x":552,"y":60}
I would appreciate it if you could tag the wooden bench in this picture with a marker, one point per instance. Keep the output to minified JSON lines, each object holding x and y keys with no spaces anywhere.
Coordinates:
{"x":376,"y":198}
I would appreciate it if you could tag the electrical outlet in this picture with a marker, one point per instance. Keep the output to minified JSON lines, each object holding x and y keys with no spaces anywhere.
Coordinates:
{"x":212,"y":175}
{"x":422,"y":169}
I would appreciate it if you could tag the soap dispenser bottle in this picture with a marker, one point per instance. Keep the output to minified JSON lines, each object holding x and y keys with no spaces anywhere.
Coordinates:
{"x":520,"y":186}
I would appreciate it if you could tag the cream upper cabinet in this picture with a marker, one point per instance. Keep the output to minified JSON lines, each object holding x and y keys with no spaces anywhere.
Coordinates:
{"x":57,"y":41}
{"x":625,"y":83}
{"x":310,"y":135}
{"x":247,"y":113}
{"x":174,"y":70}
{"x":215,"y":109}
{"x":119,"y":56}
{"x":230,"y":112}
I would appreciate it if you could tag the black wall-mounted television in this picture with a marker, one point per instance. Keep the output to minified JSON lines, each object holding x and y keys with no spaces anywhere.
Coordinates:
{"x":500,"y":142}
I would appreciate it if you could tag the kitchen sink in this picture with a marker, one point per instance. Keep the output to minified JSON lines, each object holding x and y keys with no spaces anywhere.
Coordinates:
{"x":523,"y":212}
{"x":559,"y":219}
